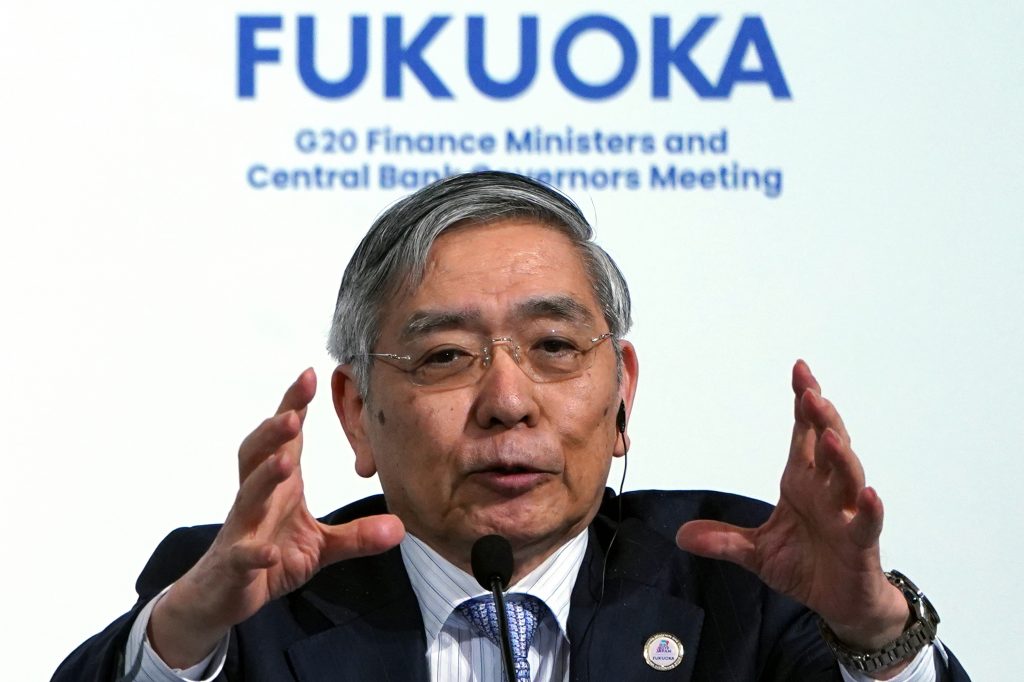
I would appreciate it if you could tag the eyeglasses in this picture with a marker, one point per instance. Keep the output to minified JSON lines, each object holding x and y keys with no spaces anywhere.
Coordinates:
{"x":548,"y":357}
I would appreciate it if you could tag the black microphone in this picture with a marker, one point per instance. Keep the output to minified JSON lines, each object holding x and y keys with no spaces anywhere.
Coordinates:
{"x":492,"y":563}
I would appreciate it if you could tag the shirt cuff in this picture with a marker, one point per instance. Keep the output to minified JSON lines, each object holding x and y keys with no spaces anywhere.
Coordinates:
{"x":147,"y":666}
{"x":921,"y":669}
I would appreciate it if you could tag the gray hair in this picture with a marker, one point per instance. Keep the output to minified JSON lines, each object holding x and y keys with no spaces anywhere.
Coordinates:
{"x":394,"y":252}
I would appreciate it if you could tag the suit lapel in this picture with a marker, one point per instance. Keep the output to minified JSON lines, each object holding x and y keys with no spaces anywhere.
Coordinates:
{"x":607,"y":643}
{"x":375,"y":632}
{"x":361,"y":650}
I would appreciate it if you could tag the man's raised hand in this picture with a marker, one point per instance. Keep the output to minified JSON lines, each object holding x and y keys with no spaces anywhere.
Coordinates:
{"x":269,"y":545}
{"x":820,"y":545}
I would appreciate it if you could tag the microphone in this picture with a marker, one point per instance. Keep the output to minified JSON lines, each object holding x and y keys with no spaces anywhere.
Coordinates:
{"x":492,"y":563}
{"x":491,"y":558}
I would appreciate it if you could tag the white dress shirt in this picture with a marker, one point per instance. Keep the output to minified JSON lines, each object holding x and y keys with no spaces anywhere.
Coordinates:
{"x":455,"y":652}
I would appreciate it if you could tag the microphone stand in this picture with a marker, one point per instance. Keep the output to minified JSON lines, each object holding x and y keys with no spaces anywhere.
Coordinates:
{"x":492,"y":562}
{"x":506,"y":641}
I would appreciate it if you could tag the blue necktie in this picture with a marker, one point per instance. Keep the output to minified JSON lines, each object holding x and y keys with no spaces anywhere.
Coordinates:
{"x":523,"y":611}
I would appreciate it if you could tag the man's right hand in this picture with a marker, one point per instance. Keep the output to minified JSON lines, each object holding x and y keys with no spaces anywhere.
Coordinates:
{"x":269,"y":545}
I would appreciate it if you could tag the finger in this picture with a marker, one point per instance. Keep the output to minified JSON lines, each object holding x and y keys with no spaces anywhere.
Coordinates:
{"x":267,"y":439}
{"x":717,"y":540}
{"x":801,"y":448}
{"x":866,"y":526}
{"x":284,"y":426}
{"x":252,"y":503}
{"x":803,"y":380}
{"x":822,"y":414}
{"x":803,"y":439}
{"x":362,"y":537}
{"x":846,"y":474}
{"x":825,"y":448}
{"x":300,"y":393}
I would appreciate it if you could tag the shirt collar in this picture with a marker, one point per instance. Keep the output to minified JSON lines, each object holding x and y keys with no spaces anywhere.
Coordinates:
{"x":440,"y":586}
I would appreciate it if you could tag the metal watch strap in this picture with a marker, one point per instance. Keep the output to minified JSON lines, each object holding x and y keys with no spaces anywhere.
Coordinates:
{"x":919,"y":633}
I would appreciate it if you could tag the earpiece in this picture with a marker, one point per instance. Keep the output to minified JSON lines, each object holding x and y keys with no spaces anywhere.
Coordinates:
{"x":620,"y":418}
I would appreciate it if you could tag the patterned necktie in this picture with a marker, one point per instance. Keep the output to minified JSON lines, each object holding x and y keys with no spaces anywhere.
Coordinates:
{"x":523,"y":611}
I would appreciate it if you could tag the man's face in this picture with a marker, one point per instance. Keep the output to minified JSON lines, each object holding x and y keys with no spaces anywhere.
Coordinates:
{"x":506,"y":454}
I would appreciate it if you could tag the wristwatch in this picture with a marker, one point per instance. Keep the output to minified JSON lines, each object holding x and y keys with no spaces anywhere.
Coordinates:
{"x":919,"y":632}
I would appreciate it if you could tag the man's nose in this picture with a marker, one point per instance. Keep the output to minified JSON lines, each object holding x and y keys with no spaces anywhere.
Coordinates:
{"x":506,"y":394}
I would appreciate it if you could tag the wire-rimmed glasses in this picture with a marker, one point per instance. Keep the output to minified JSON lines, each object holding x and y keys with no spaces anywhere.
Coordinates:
{"x":545,"y":357}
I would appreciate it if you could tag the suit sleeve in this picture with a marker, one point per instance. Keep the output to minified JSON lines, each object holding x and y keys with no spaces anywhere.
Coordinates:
{"x":101,"y":657}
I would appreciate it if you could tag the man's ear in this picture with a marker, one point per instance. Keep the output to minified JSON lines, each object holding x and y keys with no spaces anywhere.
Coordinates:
{"x":351,"y":409}
{"x":627,"y":390}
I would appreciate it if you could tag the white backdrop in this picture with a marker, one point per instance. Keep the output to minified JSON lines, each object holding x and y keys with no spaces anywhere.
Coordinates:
{"x":155,"y":304}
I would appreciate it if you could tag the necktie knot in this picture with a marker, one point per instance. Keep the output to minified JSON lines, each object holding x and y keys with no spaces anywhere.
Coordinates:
{"x":523,"y":612}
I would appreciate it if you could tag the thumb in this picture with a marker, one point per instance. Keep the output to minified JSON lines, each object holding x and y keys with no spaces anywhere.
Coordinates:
{"x":362,"y":537}
{"x":717,"y":540}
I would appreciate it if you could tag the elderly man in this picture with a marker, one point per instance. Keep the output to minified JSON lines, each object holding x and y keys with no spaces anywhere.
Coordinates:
{"x":485,"y":378}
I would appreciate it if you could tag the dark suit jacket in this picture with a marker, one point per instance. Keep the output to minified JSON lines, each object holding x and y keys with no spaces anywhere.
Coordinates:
{"x":358,"y":620}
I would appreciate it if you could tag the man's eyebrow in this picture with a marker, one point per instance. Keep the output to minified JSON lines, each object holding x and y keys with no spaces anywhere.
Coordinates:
{"x":424,"y":322}
{"x":558,"y":307}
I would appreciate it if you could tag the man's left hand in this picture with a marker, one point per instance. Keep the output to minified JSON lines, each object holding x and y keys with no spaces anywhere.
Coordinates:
{"x":820,"y":545}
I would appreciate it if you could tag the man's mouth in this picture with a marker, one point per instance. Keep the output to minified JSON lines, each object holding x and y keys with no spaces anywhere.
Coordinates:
{"x":509,"y":480}
{"x":512,"y":469}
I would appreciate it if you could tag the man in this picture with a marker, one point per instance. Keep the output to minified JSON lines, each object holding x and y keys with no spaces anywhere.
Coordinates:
{"x":485,"y":378}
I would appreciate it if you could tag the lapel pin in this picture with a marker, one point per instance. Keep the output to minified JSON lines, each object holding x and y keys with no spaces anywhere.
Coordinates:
{"x":663,"y":651}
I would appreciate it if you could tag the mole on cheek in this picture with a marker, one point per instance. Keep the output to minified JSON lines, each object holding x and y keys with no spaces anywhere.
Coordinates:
{"x":380,"y":417}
